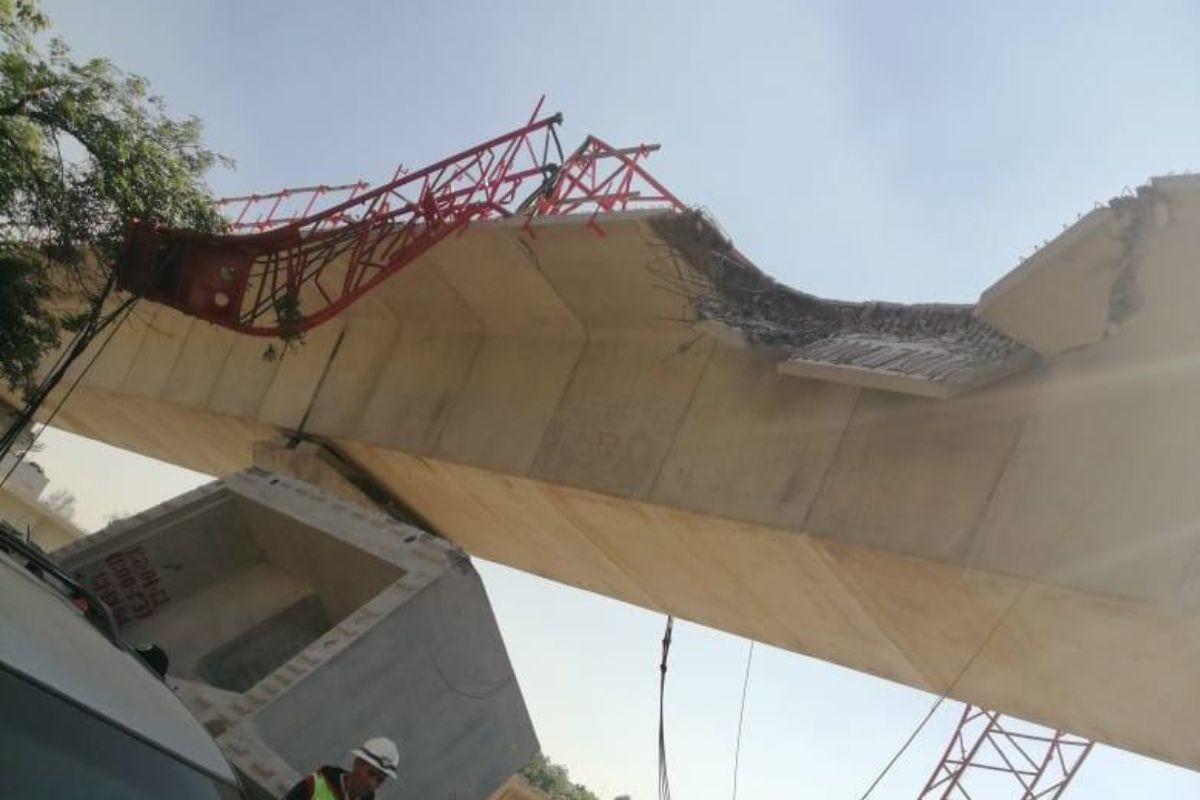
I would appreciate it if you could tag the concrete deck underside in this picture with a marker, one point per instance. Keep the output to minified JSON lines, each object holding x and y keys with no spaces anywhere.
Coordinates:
{"x":546,"y":403}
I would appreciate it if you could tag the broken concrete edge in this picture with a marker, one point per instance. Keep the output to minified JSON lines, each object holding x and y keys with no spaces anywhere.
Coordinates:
{"x":1124,"y":223}
{"x":739,"y":305}
{"x":723,"y":332}
{"x":1087,"y":225}
{"x":867,"y":378}
{"x":930,"y":367}
{"x":736,"y":302}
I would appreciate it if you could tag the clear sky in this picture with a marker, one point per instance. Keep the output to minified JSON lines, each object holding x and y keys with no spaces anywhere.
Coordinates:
{"x":900,"y":151}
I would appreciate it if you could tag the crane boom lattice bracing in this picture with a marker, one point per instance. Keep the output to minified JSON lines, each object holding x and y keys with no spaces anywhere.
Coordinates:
{"x":285,"y":268}
{"x":990,"y":755}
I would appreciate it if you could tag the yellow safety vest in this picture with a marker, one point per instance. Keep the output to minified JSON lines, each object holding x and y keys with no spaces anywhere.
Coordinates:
{"x":322,"y":790}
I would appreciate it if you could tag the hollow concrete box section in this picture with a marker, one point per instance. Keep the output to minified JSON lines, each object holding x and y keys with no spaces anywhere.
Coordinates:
{"x":299,"y":624}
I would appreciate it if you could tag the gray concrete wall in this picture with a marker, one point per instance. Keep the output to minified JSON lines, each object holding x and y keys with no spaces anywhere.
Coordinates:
{"x":299,"y":625}
{"x":436,"y":679}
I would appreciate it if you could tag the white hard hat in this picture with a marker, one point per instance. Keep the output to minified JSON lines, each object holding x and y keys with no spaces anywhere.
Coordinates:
{"x":381,"y":753}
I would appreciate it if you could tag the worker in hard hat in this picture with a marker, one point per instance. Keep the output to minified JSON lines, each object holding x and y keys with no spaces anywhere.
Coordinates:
{"x":374,"y":763}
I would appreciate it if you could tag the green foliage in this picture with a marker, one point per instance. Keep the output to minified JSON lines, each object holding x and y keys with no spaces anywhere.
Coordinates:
{"x":551,"y":778}
{"x":25,"y":332}
{"x":84,"y":148}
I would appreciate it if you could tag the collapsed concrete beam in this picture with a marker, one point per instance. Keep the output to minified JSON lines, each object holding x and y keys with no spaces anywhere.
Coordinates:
{"x":1029,"y":545}
{"x":927,"y":350}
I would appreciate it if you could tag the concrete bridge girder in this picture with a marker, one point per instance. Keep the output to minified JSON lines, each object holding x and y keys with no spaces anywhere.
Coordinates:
{"x":545,"y":402}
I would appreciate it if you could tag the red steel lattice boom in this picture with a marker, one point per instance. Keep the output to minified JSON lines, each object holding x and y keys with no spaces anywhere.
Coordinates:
{"x":260,"y":212}
{"x":286,"y":268}
{"x":992,"y":756}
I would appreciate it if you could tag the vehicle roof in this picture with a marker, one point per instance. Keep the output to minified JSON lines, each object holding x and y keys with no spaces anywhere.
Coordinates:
{"x":45,"y":637}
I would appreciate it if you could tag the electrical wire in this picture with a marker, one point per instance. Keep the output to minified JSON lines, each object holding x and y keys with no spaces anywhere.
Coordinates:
{"x":737,"y":750}
{"x":664,"y":784}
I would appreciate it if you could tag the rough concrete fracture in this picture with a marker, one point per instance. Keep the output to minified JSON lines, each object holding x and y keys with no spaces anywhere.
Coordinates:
{"x":606,"y":412}
{"x":298,"y":624}
{"x":932,"y":350}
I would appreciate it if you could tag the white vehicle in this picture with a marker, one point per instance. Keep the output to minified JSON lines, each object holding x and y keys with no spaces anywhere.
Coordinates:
{"x":81,"y":714}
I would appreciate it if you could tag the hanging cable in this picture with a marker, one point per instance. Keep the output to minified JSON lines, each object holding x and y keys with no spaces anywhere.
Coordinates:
{"x":664,"y":785}
{"x":945,"y":694}
{"x":737,"y":750}
{"x":21,"y":418}
{"x":88,"y":330}
{"x":119,"y":316}
{"x":904,"y":747}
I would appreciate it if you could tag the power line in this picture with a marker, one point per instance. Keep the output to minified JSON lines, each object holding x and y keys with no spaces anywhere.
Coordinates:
{"x":737,"y":750}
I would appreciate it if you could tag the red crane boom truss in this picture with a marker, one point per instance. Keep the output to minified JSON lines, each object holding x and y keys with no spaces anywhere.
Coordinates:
{"x":285,"y":268}
{"x":991,"y":756}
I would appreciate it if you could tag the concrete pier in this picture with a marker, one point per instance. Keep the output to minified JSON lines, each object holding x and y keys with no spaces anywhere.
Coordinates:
{"x":298,"y":625}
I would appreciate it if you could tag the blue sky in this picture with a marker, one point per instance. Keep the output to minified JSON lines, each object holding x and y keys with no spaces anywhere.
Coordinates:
{"x":908,"y":152}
